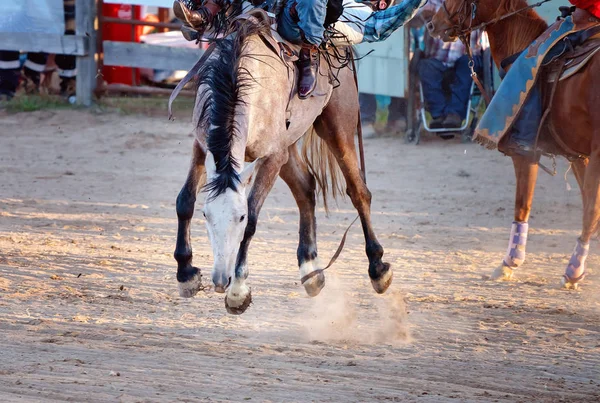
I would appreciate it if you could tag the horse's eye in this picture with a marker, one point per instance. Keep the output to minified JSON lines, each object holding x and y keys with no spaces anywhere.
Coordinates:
{"x":242,"y":218}
{"x":204,"y":214}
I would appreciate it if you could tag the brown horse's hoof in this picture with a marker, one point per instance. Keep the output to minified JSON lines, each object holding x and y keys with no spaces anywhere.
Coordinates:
{"x":384,"y":281}
{"x":235,"y":309}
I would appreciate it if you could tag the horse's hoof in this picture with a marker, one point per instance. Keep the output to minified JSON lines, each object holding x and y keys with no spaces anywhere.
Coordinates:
{"x":191,"y":287}
{"x":568,"y":285}
{"x":502,"y":273}
{"x":383,"y":282}
{"x":238,"y":307}
{"x":314,"y":285}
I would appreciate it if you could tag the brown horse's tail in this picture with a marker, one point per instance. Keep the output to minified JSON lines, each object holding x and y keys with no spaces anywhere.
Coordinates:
{"x":323,"y":165}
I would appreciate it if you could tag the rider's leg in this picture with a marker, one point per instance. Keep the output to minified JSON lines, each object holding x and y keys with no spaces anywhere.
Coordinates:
{"x":311,"y":19}
{"x":525,"y":127}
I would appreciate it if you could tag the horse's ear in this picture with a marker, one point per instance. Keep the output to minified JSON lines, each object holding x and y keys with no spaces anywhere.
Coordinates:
{"x":248,"y":173}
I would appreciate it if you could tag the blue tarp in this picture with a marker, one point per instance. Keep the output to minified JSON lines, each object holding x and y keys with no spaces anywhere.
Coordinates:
{"x":32,"y":16}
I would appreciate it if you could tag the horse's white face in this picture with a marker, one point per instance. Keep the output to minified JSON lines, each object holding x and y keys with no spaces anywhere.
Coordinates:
{"x":226,"y":218}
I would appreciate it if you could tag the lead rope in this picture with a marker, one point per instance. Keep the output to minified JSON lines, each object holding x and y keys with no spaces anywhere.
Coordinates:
{"x":361,"y":152}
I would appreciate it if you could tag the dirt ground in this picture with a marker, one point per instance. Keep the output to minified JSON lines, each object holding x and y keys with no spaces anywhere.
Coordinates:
{"x":89,"y":309}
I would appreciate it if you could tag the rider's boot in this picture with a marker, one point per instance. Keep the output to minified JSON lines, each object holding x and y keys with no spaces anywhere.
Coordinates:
{"x":196,"y":16}
{"x":308,"y":64}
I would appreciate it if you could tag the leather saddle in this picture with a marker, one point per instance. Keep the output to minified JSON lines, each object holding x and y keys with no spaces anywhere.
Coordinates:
{"x":578,"y":48}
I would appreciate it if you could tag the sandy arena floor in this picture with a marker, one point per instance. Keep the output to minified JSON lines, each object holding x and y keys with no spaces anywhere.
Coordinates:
{"x":89,"y":309}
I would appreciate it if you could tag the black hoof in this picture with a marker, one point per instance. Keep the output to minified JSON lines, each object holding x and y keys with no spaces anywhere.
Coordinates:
{"x":314,"y":285}
{"x":192,"y":284}
{"x":381,"y":277}
{"x":238,"y":310}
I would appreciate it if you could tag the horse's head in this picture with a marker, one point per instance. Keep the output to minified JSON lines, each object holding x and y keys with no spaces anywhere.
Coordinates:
{"x":457,"y":17}
{"x":226,"y":214}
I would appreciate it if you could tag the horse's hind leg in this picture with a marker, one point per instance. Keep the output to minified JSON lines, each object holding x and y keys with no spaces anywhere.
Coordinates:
{"x":337,"y":129}
{"x":526,"y":173}
{"x":590,"y":189}
{"x":238,"y":296}
{"x":302,"y":184}
{"x":188,"y":276}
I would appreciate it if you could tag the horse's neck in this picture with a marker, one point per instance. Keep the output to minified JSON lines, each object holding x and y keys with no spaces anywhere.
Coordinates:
{"x":514,"y":34}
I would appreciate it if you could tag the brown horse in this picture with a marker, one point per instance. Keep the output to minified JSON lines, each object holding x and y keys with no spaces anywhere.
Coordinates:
{"x":571,"y":113}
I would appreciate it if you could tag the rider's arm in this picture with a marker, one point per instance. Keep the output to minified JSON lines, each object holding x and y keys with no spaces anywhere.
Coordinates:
{"x":381,"y":24}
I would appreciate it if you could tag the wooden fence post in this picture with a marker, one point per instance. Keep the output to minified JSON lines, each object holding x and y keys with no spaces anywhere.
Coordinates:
{"x":85,"y":19}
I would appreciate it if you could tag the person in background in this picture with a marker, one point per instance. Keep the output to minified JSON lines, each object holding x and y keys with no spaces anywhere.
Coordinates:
{"x":441,"y":60}
{"x":13,"y":79}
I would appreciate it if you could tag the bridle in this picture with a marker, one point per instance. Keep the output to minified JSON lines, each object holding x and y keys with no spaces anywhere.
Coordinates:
{"x":464,"y":33}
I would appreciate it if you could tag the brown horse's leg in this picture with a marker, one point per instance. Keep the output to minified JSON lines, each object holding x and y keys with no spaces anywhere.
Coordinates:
{"x":579,"y":172}
{"x":302,"y":184}
{"x":575,"y":271}
{"x":526,"y":173}
{"x":188,"y":276}
{"x":337,"y":128}
{"x":238,"y":296}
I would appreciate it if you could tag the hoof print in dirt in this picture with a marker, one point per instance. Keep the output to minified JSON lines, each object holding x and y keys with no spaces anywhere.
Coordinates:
{"x":238,"y":309}
{"x":502,"y":273}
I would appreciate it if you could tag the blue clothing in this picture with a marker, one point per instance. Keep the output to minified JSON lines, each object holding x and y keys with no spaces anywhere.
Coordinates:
{"x":378,"y":26}
{"x":311,"y":16}
{"x":432,"y":73}
{"x":381,"y":24}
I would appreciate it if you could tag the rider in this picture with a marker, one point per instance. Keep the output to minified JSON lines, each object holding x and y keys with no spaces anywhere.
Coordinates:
{"x":304,"y":22}
{"x":308,"y":15}
{"x":525,"y":128}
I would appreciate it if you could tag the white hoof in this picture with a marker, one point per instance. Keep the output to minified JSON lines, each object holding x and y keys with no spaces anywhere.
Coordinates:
{"x":315,"y":284}
{"x":237,"y":294}
{"x":191,"y":287}
{"x":502,"y":273}
{"x":238,"y":298}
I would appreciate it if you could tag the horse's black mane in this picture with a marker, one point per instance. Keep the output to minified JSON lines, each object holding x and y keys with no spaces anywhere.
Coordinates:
{"x":224,"y":84}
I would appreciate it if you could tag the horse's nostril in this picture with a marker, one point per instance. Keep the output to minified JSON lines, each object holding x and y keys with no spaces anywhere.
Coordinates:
{"x":430,"y":26}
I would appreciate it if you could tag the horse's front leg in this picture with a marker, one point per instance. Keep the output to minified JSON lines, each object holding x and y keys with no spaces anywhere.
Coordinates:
{"x":238,"y":296}
{"x":188,"y":276}
{"x":526,"y":173}
{"x":302,"y":183}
